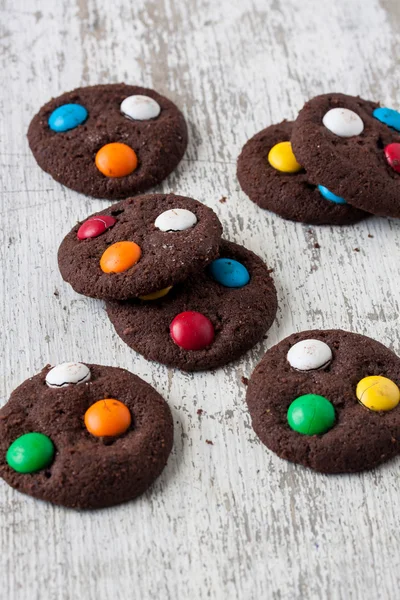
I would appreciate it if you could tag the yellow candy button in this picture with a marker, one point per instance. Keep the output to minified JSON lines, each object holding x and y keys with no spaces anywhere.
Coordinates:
{"x":281,"y":157}
{"x":156,"y":295}
{"x":378,"y":393}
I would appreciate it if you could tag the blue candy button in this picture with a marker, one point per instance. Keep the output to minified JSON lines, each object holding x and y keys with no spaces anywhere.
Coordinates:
{"x":67,"y":116}
{"x":325,"y":193}
{"x":389,"y":116}
{"x":229,"y":273}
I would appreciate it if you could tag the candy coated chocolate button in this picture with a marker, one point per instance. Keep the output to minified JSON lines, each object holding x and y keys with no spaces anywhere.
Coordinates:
{"x":309,"y":355}
{"x":68,"y":373}
{"x":140,"y":108}
{"x":192,"y":331}
{"x":95,"y":226}
{"x":120,"y":257}
{"x":343,"y":122}
{"x":282,"y":159}
{"x":157,"y":295}
{"x":311,"y":414}
{"x":30,"y":452}
{"x":389,"y":116}
{"x":392,"y":153}
{"x":116,"y":160}
{"x":378,"y":393}
{"x":325,"y":193}
{"x":67,"y":116}
{"x":229,"y":273}
{"x":175,"y":219}
{"x":107,"y":418}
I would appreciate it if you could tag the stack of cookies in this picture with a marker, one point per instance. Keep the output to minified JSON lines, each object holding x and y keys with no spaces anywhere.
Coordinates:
{"x":337,"y":164}
{"x":174,"y":290}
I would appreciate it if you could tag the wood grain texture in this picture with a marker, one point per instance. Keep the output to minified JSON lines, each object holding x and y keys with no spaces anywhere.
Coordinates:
{"x":228,"y":520}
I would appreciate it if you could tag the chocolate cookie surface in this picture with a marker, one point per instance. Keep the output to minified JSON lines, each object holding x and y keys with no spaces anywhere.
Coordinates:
{"x":69,"y":138}
{"x":345,"y":146}
{"x":288,"y":194}
{"x":72,"y":466}
{"x":338,"y":433}
{"x":206,"y":321}
{"x":139,"y":245}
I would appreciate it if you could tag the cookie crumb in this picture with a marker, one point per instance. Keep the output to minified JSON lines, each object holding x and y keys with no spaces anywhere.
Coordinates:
{"x":56,"y":293}
{"x":356,"y":249}
{"x":199,"y":411}
{"x":316,"y":245}
{"x":270,"y":270}
{"x":245,"y":380}
{"x":210,"y":442}
{"x":222,"y":200}
{"x":370,"y":235}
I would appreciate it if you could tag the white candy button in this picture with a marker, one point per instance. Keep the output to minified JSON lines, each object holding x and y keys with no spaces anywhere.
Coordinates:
{"x":66,"y":374}
{"x":309,"y":355}
{"x":140,"y":108}
{"x":176,"y":219}
{"x":343,"y":122}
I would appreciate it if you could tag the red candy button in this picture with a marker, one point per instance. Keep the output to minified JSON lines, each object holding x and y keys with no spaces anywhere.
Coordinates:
{"x":392,"y":153}
{"x":95,"y":226}
{"x":191,"y":330}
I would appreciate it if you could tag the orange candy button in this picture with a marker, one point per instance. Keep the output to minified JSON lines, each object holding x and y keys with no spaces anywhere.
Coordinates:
{"x":120,"y":257}
{"x":107,"y":418}
{"x":116,"y":160}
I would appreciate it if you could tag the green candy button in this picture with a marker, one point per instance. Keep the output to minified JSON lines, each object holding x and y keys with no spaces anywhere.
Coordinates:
{"x":30,"y":452}
{"x":311,"y":414}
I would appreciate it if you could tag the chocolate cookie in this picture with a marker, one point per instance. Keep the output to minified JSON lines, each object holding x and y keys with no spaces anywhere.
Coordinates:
{"x":328,"y":400}
{"x":84,"y":436}
{"x":352,"y":147}
{"x":270,"y":175}
{"x":206,"y":321}
{"x":108,"y":141}
{"x":139,"y":246}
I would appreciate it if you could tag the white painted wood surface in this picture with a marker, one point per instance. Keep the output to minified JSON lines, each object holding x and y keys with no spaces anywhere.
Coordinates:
{"x":228,"y":520}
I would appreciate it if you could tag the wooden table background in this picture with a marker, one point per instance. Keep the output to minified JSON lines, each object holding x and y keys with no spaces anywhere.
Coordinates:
{"x":228,"y":520}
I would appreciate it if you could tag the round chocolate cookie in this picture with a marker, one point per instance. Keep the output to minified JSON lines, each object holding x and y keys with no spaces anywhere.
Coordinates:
{"x":139,"y":245}
{"x":108,"y":141}
{"x":284,"y":188}
{"x":206,"y":321}
{"x":352,"y":147}
{"x":328,"y":400}
{"x":84,"y":436}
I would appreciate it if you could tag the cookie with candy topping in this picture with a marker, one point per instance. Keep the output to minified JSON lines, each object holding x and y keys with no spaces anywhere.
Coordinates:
{"x":352,"y":147}
{"x":84,"y":436}
{"x":108,"y":141}
{"x":207,"y":321}
{"x":328,"y":400}
{"x":139,"y":246}
{"x":270,"y":175}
